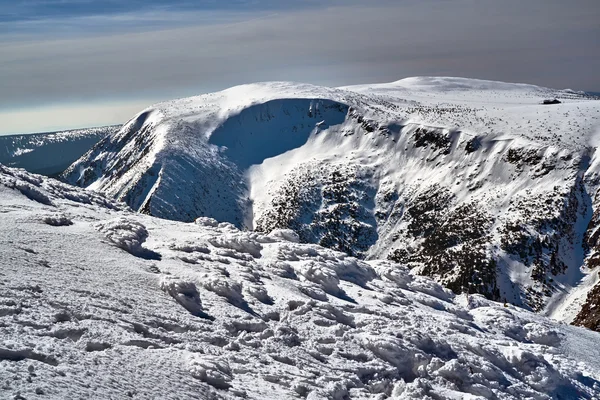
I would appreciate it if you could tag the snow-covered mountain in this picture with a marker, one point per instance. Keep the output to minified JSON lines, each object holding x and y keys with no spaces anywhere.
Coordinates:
{"x":98,"y":301}
{"x":477,"y":184}
{"x":49,"y":153}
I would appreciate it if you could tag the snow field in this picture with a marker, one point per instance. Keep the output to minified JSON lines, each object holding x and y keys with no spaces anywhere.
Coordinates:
{"x":222,"y":313}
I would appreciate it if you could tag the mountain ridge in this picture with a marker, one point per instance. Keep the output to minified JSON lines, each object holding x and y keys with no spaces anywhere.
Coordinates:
{"x":49,"y":153}
{"x":378,"y":171}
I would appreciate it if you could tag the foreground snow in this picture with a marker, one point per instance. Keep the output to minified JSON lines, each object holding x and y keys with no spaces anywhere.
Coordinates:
{"x":99,"y":302}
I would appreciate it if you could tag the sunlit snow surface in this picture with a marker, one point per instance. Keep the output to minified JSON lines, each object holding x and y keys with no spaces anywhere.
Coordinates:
{"x":97,"y":301}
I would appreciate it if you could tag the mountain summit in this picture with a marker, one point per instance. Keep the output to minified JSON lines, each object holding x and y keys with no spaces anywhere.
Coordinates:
{"x":475,"y":183}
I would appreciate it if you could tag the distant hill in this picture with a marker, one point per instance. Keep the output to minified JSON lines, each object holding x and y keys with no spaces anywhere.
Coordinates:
{"x":50,"y":153}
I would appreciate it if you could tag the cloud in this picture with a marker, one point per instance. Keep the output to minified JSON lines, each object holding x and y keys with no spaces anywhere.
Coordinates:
{"x":68,"y":116}
{"x":546,"y":42}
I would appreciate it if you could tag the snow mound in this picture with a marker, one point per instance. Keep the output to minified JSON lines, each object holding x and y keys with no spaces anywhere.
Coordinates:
{"x":285,"y":234}
{"x":185,"y":293}
{"x":57,"y":220}
{"x":126,"y":234}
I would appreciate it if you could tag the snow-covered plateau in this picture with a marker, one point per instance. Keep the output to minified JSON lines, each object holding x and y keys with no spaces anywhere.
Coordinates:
{"x":430,"y":238}
{"x":49,"y":153}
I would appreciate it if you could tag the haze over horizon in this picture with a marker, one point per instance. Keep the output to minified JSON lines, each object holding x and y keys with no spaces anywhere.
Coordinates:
{"x":76,"y":63}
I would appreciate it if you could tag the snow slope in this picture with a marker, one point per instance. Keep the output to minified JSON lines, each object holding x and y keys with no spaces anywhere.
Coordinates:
{"x":98,"y":301}
{"x":195,"y":140}
{"x":49,"y":153}
{"x":474,"y":183}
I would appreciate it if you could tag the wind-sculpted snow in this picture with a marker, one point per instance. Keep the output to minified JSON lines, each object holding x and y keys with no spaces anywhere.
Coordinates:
{"x":227,"y":314}
{"x":41,"y":190}
{"x":128,"y":235}
{"x":49,"y":153}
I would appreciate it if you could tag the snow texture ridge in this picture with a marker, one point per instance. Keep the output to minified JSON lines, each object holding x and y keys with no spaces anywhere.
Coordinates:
{"x":224,"y":313}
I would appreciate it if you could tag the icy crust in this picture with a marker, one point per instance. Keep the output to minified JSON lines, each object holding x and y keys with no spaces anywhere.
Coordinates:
{"x":223,"y":313}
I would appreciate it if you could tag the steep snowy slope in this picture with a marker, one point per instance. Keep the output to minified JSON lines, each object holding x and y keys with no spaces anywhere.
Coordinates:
{"x":474,"y":183}
{"x":97,"y":301}
{"x":573,"y":128}
{"x":49,"y":153}
{"x":196,"y":141}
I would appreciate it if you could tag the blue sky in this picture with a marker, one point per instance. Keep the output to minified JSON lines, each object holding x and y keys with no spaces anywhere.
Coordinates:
{"x":63,"y":18}
{"x":72,"y":63}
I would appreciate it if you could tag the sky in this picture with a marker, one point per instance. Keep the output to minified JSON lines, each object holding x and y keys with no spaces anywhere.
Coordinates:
{"x":77,"y":63}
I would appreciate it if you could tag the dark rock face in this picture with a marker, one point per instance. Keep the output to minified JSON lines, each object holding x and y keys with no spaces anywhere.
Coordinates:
{"x":551,"y":101}
{"x":453,"y":243}
{"x":428,"y":137}
{"x":589,"y":316}
{"x":592,"y":239}
{"x":330,"y":208}
{"x":469,"y":245}
{"x":473,"y":145}
{"x":543,"y":237}
{"x":520,"y":157}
